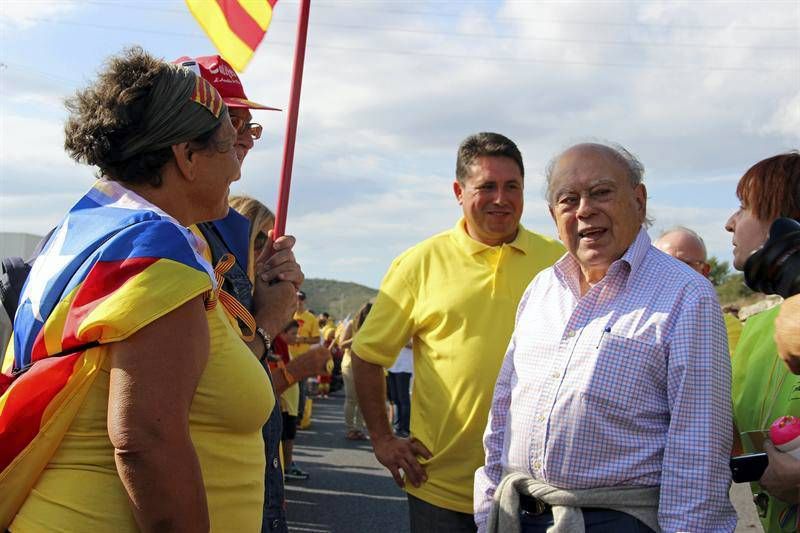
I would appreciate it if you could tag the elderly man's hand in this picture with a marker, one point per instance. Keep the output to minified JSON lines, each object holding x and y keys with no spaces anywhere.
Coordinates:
{"x":401,"y":454}
{"x":787,"y":333}
{"x":782,"y":476}
{"x":277,"y":262}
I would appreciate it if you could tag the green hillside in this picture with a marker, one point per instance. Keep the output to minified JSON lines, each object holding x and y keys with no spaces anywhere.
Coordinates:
{"x":339,"y":298}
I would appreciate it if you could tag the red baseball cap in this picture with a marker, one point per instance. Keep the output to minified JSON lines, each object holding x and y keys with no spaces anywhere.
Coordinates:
{"x":221,"y":75}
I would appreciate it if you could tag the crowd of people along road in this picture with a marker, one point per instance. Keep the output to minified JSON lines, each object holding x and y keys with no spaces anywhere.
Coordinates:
{"x":577,"y":385}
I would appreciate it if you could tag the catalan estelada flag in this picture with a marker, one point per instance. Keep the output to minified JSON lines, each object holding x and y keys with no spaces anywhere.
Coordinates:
{"x":113,"y":265}
{"x":236,"y":27}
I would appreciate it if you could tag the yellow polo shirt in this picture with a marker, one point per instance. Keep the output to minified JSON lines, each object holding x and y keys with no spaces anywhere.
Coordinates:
{"x":309,"y":327}
{"x":457,"y":299}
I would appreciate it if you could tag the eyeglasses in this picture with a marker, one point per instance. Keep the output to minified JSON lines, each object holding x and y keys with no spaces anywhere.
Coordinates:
{"x":241,"y":126}
{"x":692,"y":263}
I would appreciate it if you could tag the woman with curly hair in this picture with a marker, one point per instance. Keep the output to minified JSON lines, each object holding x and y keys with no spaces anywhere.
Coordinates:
{"x":134,"y":404}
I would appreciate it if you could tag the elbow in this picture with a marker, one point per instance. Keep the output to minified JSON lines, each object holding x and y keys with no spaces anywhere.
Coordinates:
{"x":134,"y":443}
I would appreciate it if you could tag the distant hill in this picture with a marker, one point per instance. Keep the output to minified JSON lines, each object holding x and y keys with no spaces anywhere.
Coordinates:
{"x":339,"y":298}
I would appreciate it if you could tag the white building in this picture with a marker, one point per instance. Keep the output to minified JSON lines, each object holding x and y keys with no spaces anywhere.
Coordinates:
{"x":18,"y":244}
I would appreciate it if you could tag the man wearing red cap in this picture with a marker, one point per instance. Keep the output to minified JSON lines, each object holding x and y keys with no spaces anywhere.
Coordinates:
{"x":231,"y":236}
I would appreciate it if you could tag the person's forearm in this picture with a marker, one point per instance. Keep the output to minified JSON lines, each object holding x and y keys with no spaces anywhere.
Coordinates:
{"x":293,"y":373}
{"x":309,"y":364}
{"x":164,"y":485}
{"x":371,"y":391}
{"x":271,"y":323}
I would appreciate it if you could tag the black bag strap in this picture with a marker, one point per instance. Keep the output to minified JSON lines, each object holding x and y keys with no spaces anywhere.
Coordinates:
{"x":14,"y":273}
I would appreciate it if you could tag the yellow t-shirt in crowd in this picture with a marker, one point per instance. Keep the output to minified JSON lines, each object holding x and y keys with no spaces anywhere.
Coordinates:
{"x":328,"y":332}
{"x":290,"y":400}
{"x":309,"y":327}
{"x":457,"y":299}
{"x":232,"y":402}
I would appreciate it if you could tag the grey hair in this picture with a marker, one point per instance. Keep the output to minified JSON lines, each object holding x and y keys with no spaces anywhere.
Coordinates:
{"x":691,"y":233}
{"x":634,"y":167}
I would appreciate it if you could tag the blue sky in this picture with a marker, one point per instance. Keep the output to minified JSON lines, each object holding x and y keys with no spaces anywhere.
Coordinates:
{"x":699,"y":90}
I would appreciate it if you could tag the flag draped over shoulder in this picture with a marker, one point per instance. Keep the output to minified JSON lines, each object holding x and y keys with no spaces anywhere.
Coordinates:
{"x":114,"y":264}
{"x":236,"y":27}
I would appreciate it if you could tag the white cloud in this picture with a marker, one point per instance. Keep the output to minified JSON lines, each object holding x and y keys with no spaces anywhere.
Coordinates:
{"x":25,"y":14}
{"x":786,"y":119}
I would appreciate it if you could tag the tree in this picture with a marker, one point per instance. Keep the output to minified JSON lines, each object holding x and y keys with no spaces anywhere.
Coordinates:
{"x":720,"y":271}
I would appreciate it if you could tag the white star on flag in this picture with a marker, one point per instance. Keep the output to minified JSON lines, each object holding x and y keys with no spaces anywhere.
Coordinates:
{"x":47,"y":266}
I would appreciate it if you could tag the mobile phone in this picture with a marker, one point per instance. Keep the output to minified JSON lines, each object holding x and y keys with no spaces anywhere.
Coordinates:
{"x":748,"y":467}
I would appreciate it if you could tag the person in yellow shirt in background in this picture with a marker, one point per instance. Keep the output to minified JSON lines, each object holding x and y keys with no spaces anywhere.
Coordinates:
{"x":324,"y":380}
{"x":688,"y":247}
{"x":454,"y":294}
{"x":307,"y":336}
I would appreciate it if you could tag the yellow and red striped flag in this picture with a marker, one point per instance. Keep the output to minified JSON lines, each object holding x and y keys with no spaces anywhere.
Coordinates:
{"x":236,"y":27}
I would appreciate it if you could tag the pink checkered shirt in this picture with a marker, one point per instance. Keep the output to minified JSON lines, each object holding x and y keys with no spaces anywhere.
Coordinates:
{"x":628,"y":385}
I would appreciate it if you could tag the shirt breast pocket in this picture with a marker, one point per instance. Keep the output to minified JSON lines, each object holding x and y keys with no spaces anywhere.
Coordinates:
{"x":628,"y":375}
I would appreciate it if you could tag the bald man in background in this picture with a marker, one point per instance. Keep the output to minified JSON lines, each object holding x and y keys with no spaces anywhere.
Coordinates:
{"x":688,"y":247}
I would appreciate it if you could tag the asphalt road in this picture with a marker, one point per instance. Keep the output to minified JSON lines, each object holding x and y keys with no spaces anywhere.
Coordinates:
{"x":350,"y":492}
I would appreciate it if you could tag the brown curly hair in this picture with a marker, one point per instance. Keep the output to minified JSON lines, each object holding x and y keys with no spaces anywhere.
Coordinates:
{"x":108,"y":112}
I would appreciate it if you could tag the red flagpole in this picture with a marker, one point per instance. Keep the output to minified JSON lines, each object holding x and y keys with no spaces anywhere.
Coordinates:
{"x":291,"y":122}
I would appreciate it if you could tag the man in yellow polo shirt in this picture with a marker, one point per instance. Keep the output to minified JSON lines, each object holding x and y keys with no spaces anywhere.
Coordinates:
{"x":455,"y":295}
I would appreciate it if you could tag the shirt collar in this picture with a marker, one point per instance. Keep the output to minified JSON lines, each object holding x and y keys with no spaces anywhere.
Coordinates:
{"x":569,"y":269}
{"x":473,"y":247}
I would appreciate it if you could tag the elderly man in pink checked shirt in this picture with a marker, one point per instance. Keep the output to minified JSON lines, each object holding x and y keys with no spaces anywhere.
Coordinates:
{"x":612,"y":410}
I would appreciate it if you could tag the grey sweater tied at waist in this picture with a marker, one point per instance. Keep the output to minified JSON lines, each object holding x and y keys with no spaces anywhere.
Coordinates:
{"x":639,"y":502}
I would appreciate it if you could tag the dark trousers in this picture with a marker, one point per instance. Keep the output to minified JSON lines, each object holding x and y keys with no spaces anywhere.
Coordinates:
{"x":596,"y":521}
{"x":427,"y":518}
{"x":399,"y":383}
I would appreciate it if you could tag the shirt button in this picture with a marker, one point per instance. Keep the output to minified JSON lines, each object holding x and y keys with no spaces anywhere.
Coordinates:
{"x":571,"y":333}
{"x":556,"y":375}
{"x":537,"y":464}
{"x":540,"y":418}
{"x":275,"y":463}
{"x":275,"y":524}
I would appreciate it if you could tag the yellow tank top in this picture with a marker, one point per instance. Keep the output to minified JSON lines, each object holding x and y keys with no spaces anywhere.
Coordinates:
{"x":80,"y":489}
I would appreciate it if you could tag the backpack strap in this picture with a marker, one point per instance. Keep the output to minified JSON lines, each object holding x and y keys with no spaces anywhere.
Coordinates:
{"x":247,"y":323}
{"x":12,"y":278}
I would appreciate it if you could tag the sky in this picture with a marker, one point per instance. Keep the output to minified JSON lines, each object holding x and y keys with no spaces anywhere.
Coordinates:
{"x":699,"y":90}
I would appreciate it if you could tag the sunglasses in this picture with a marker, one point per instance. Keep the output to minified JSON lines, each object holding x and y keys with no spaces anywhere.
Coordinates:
{"x":241,"y":126}
{"x":260,"y":241}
